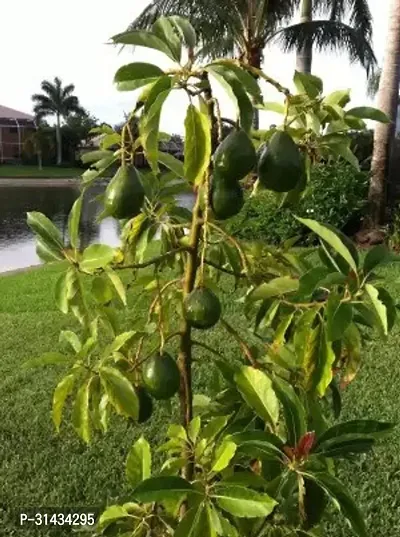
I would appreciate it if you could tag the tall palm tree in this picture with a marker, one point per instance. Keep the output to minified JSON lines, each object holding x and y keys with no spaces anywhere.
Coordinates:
{"x":243,"y":28}
{"x":388,"y":95}
{"x":56,"y":100}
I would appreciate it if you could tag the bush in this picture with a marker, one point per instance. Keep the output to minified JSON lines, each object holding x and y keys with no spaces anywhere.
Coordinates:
{"x":336,"y":196}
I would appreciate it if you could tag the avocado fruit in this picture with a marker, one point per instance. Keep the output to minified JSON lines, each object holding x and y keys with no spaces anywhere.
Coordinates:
{"x":145,"y":404}
{"x":226,"y":200}
{"x":124,"y":196}
{"x":280,"y":166}
{"x":161,"y":376}
{"x":202,"y":308}
{"x":235,"y":157}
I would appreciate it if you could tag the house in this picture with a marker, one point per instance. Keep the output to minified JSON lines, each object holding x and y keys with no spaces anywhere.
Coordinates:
{"x":15,"y":128}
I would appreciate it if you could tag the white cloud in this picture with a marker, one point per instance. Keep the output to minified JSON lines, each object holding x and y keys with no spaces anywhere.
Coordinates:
{"x":47,"y":38}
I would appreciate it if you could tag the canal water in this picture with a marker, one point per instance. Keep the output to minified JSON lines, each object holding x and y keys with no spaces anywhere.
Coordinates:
{"x":17,"y":242}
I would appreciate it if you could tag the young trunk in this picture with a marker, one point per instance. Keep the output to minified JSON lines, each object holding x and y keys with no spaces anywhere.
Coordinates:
{"x":304,"y":54}
{"x":255,"y":59}
{"x":59,"y":141}
{"x":384,"y":133}
{"x":40,"y":160}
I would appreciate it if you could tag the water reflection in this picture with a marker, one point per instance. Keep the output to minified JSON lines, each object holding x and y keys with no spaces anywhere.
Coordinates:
{"x":17,"y":244}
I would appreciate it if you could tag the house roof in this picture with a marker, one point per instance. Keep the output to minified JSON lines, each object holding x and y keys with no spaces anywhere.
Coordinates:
{"x":10,"y":113}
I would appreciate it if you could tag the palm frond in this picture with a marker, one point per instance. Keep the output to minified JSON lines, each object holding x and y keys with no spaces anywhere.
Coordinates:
{"x":373,"y":83}
{"x":357,"y":13}
{"x":329,"y":35}
{"x":67,"y":90}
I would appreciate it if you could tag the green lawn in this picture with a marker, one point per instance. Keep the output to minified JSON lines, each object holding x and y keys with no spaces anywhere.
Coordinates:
{"x":34,"y":172}
{"x":38,"y":468}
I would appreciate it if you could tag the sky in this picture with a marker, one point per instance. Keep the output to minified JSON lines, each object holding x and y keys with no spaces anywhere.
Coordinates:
{"x":47,"y":38}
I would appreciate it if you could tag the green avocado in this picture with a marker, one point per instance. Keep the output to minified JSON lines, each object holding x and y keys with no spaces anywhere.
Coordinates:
{"x":280,"y":166}
{"x":226,"y":200}
{"x":202,"y":308}
{"x":124,"y":195}
{"x":145,"y":404}
{"x":235,"y":157}
{"x":161,"y":376}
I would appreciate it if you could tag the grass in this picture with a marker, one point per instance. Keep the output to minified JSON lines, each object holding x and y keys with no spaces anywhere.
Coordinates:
{"x":40,"y":469}
{"x":48,"y":172}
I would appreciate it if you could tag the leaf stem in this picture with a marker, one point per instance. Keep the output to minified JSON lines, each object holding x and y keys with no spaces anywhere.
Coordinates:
{"x":242,"y":344}
{"x":154,"y":260}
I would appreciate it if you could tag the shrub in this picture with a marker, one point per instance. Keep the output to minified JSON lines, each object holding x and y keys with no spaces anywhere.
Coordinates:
{"x":336,"y":195}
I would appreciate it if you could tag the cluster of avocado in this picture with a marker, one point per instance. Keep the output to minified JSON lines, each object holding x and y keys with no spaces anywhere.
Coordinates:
{"x":124,"y":195}
{"x":234,"y":158}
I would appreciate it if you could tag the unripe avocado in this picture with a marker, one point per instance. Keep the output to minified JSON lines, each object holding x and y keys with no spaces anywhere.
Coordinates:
{"x":226,"y":200}
{"x":161,"y":376}
{"x":235,"y":157}
{"x":280,"y":166}
{"x":202,"y":308}
{"x":145,"y":404}
{"x":124,"y":195}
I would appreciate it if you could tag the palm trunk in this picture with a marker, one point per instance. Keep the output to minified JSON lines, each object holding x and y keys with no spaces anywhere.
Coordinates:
{"x":59,"y":141}
{"x":304,"y":54}
{"x":255,"y":61}
{"x":384,"y":133}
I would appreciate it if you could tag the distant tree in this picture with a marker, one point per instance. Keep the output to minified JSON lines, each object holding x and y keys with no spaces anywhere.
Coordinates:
{"x":59,"y":101}
{"x":76,"y":132}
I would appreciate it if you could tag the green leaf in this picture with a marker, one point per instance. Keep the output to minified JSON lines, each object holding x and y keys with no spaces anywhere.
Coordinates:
{"x":142,"y":38}
{"x":112,"y":514}
{"x":70,"y":337}
{"x":158,"y":489}
{"x":134,"y":75}
{"x":324,"y":361}
{"x":378,"y":255}
{"x":249,"y":83}
{"x":172,"y":163}
{"x":367,"y":112}
{"x":165,"y":30}
{"x":261,"y":450}
{"x":243,"y":502}
{"x":278,"y":108}
{"x":63,"y":389}
{"x":293,"y":409}
{"x":120,"y":392}
{"x":110,"y":139}
{"x":336,"y":491}
{"x":339,"y":317}
{"x":235,"y":88}
{"x":379,"y":307}
{"x":46,"y":252}
{"x":388,"y":301}
{"x":48,"y":358}
{"x":276,"y":287}
{"x":264,"y":437}
{"x":119,"y":286}
{"x":223,"y":456}
{"x":96,"y":256}
{"x":65,"y":289}
{"x":344,"y":151}
{"x":138,"y":463}
{"x":197,"y":145}
{"x":102,"y":290}
{"x":196,"y":523}
{"x":311,"y":280}
{"x":185,"y":29}
{"x":214,"y":427}
{"x":95,"y":156}
{"x":47,"y":231}
{"x":330,"y":237}
{"x":340,"y":97}
{"x":309,"y":84}
{"x":80,"y":412}
{"x":194,"y":429}
{"x":371,"y":428}
{"x":73,"y":222}
{"x":256,"y":389}
{"x":343,"y":446}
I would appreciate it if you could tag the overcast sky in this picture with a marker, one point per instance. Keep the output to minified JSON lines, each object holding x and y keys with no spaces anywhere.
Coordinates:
{"x":46,"y":38}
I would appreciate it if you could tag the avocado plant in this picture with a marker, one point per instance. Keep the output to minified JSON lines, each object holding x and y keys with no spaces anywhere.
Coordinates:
{"x":259,"y":457}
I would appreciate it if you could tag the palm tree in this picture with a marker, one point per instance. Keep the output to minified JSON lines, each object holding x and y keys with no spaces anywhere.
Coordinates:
{"x":56,"y":100}
{"x":388,"y":95}
{"x":243,"y":28}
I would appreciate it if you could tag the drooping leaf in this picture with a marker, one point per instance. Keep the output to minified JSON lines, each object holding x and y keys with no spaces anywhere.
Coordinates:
{"x":63,"y":389}
{"x":332,"y":238}
{"x":294,"y":412}
{"x":119,"y":286}
{"x":352,"y":345}
{"x":141,"y":38}
{"x":196,"y":523}
{"x":340,"y":97}
{"x":120,"y":392}
{"x":47,"y":252}
{"x":72,"y":339}
{"x":378,"y":255}
{"x":391,"y":312}
{"x":379,"y":308}
{"x":243,"y":502}
{"x":368,"y":112}
{"x":311,"y":280}
{"x":185,"y":29}
{"x":339,"y":315}
{"x":95,"y":156}
{"x":102,"y":290}
{"x":96,"y":256}
{"x":157,"y":489}
{"x":134,"y":75}
{"x":65,"y":289}
{"x":194,"y":429}
{"x":276,"y":287}
{"x":309,"y":84}
{"x":73,"y":222}
{"x":172,"y":163}
{"x":80,"y":412}
{"x":342,"y":446}
{"x":250,"y":84}
{"x":197,"y":145}
{"x":336,"y":491}
{"x":371,"y":428}
{"x":214,"y":427}
{"x":48,"y":358}
{"x":256,"y":389}
{"x":47,"y":231}
{"x":138,"y":463}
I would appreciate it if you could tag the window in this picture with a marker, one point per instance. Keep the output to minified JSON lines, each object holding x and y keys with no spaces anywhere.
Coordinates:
{"x":13,"y":130}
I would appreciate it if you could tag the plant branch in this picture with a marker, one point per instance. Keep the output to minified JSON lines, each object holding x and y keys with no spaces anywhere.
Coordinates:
{"x":242,"y":344}
{"x":206,"y":347}
{"x":154,"y":260}
{"x":236,"y":245}
{"x":223,"y":269}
